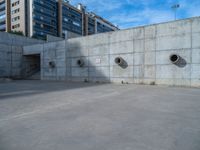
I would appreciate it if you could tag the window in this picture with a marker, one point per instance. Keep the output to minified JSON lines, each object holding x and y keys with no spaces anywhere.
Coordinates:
{"x":15,"y":26}
{"x":15,"y":19}
{"x":2,"y":2}
{"x":15,"y":11}
{"x":65,"y":19}
{"x":15,"y":3}
{"x":2,"y":16}
{"x":76,"y":23}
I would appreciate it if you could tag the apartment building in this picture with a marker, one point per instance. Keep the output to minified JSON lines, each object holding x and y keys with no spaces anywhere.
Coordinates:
{"x":70,"y":19}
{"x":17,"y":15}
{"x":81,"y":22}
{"x":4,"y":15}
{"x":95,"y":24}
{"x":37,"y":18}
{"x":42,"y":18}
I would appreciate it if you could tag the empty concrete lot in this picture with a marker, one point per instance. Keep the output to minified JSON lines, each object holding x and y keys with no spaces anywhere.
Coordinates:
{"x":41,"y":115}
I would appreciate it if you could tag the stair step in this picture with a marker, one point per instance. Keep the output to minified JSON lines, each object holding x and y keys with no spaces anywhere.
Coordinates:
{"x":35,"y":76}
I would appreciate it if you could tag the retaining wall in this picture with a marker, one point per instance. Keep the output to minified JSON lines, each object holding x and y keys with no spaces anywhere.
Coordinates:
{"x":146,"y":51}
{"x":11,"y":48}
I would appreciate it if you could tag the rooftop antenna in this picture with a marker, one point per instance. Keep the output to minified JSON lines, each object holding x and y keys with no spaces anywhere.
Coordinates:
{"x":175,"y":8}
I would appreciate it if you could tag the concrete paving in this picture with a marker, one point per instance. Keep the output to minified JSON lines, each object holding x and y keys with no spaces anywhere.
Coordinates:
{"x":42,"y":115}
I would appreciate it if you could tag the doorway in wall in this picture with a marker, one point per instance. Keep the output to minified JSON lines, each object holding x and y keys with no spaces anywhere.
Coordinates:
{"x":32,"y":67}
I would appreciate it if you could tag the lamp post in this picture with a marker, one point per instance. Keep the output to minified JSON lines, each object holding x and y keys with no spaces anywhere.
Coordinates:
{"x":175,"y":7}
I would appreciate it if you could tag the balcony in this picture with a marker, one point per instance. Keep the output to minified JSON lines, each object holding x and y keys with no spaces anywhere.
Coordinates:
{"x":2,"y":17}
{"x":3,"y":6}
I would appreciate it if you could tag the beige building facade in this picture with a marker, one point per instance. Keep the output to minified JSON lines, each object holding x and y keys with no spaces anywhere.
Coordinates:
{"x":18,"y":16}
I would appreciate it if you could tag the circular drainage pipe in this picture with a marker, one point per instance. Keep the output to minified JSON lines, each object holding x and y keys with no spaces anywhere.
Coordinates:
{"x":119,"y":60}
{"x":80,"y":62}
{"x":174,"y":58}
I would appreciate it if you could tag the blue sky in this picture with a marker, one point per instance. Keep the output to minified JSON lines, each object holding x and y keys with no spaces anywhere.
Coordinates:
{"x":131,"y":13}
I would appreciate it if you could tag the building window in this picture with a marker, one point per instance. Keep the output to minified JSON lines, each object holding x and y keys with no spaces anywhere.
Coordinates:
{"x":15,"y":11}
{"x":15,"y":26}
{"x":15,"y":3}
{"x":76,"y":23}
{"x":15,"y":19}
{"x":65,"y":19}
{"x":2,"y":16}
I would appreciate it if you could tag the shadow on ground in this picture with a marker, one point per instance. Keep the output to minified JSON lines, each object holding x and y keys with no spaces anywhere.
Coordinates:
{"x":22,"y":88}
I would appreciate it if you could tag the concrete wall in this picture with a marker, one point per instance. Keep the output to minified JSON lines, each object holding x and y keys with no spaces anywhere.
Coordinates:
{"x":146,"y":51}
{"x":11,"y":61}
{"x":11,"y":54}
{"x":56,"y":53}
{"x":51,"y":38}
{"x":69,"y":35}
{"x":16,"y":40}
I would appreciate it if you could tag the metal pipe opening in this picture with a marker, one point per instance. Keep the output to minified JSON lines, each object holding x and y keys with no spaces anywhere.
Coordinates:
{"x":119,"y":60}
{"x":174,"y":58}
{"x":80,"y":62}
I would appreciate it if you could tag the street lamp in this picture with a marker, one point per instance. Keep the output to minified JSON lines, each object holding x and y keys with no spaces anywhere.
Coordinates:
{"x":175,"y":7}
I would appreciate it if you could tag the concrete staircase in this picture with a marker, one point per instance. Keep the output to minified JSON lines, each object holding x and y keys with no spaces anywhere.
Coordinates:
{"x":35,"y":76}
